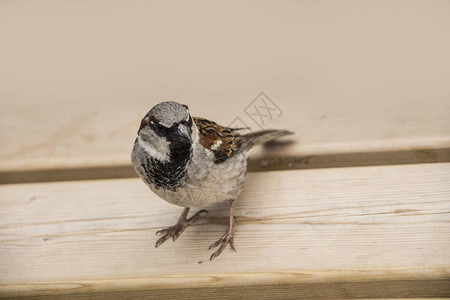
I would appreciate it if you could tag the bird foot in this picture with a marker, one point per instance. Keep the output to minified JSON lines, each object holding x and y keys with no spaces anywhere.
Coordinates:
{"x":175,"y":231}
{"x":224,"y":241}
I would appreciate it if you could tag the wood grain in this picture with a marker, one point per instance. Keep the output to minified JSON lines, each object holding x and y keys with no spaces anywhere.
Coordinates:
{"x":344,"y":81}
{"x":362,"y":232}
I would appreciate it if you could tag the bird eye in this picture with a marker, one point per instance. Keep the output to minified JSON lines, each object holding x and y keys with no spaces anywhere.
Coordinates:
{"x":159,"y":128}
{"x":187,"y":122}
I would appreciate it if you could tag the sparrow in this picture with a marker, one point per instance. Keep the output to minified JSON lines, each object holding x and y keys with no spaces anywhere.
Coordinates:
{"x":193,"y":162}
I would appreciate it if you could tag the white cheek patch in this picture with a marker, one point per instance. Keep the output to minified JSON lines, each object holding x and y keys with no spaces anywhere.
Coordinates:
{"x":152,"y":151}
{"x":216,"y":145}
{"x":195,"y":136}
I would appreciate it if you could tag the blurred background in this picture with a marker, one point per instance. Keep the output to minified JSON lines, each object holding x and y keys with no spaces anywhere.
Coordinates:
{"x":76,"y":77}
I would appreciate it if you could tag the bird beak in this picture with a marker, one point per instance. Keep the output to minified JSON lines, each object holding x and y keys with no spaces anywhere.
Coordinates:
{"x":184,"y":132}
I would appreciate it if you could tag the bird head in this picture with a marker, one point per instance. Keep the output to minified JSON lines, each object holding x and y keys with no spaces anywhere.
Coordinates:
{"x":167,"y":130}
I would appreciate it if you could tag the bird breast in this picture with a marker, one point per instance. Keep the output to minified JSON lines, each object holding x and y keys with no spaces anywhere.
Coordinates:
{"x":206,"y":182}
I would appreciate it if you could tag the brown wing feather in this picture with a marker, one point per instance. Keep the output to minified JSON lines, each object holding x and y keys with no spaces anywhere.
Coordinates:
{"x":222,"y":141}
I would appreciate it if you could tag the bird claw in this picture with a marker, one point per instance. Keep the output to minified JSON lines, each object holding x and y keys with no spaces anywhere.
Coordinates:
{"x":162,"y":231}
{"x":175,"y":231}
{"x":171,"y":232}
{"x":224,"y":241}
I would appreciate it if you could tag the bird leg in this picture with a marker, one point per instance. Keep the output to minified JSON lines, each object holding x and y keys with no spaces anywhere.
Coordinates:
{"x":227,"y":238}
{"x":175,"y":231}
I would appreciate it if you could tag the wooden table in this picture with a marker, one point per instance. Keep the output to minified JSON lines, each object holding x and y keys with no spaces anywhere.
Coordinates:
{"x":355,"y":205}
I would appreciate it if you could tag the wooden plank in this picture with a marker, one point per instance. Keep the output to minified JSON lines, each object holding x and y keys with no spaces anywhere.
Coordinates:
{"x":345,"y":82}
{"x":363,"y":232}
{"x":259,"y":163}
{"x":332,"y":290}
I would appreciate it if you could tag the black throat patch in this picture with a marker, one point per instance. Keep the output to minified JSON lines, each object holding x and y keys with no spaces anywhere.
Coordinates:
{"x":168,"y":174}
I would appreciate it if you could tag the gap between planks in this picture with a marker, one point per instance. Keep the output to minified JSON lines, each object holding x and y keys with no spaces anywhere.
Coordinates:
{"x":83,"y":171}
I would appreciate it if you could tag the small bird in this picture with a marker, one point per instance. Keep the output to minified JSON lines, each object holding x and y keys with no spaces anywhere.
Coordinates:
{"x":193,"y":162}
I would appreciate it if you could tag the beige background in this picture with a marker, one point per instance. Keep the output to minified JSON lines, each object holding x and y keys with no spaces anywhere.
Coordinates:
{"x":360,"y":83}
{"x":350,"y":76}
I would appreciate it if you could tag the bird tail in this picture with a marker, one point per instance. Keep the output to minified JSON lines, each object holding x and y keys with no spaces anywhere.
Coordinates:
{"x":263,"y":136}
